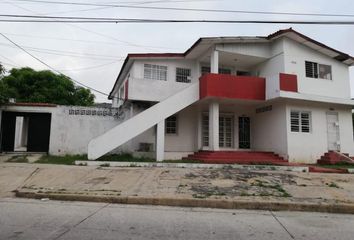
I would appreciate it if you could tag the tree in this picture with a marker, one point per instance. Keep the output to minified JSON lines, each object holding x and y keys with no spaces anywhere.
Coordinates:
{"x":28,"y":85}
{"x":2,"y":70}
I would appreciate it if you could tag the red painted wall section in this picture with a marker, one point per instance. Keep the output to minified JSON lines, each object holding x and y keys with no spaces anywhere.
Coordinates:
{"x":288,"y":82}
{"x":126,"y":89}
{"x":233,"y":87}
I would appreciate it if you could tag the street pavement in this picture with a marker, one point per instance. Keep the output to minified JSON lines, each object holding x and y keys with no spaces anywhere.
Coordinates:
{"x":46,"y":219}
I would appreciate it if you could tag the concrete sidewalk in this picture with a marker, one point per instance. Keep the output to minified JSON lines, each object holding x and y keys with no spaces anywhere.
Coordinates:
{"x":223,"y":188}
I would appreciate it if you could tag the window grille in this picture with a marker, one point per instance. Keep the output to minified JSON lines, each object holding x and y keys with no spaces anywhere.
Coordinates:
{"x":311,"y":69}
{"x":315,"y":70}
{"x":183,"y":75}
{"x":300,"y":121}
{"x":155,"y":72}
{"x":171,"y":125}
{"x":205,"y":130}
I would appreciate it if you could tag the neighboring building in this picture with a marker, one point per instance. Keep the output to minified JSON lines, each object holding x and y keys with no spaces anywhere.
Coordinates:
{"x":285,"y":93}
{"x":57,"y":130}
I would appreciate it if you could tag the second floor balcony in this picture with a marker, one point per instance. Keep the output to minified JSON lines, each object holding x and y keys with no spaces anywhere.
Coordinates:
{"x":246,"y":87}
{"x":233,"y":87}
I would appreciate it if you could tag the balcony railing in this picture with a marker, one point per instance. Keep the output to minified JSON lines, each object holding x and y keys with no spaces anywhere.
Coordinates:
{"x":232,"y":87}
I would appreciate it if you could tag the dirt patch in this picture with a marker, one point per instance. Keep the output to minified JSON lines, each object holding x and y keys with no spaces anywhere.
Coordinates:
{"x":236,"y":183}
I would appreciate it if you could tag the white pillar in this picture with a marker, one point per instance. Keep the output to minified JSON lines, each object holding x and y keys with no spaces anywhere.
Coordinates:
{"x":214,"y":62}
{"x":160,"y":141}
{"x":214,"y":126}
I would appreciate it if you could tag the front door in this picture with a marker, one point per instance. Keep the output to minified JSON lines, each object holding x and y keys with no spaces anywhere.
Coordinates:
{"x":244,"y":139}
{"x":225,"y":132}
{"x":333,"y":137}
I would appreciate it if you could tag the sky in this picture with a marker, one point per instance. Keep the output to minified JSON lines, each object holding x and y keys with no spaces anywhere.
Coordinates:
{"x":93,"y":53}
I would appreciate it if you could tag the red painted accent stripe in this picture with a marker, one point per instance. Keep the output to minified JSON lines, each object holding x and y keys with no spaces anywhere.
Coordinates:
{"x":288,"y":82}
{"x":234,"y":87}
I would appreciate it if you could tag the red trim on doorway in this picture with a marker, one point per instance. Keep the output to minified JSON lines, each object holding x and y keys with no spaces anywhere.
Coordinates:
{"x":234,"y":87}
{"x":288,"y":82}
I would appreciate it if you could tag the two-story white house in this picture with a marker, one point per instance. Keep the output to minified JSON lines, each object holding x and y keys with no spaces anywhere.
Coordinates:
{"x":284,"y":93}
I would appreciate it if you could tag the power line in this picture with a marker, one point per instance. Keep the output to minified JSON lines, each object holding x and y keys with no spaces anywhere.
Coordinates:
{"x":50,"y":67}
{"x":71,"y":69}
{"x":99,"y":34}
{"x":188,"y":9}
{"x":8,"y":59}
{"x":145,"y":21}
{"x":67,"y":53}
{"x":8,"y":64}
{"x":88,"y":68}
{"x":60,"y":39}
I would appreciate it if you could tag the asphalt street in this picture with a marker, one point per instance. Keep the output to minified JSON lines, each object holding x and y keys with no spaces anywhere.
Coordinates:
{"x":44,"y":219}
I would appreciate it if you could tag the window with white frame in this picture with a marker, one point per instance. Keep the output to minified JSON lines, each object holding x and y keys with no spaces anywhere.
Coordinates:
{"x":300,"y":121}
{"x":316,"y":70}
{"x":171,"y":125}
{"x":155,"y":72}
{"x":183,"y":75}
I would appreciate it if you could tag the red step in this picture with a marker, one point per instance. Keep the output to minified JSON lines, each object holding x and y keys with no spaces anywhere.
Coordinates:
{"x":326,"y":170}
{"x":240,"y":157}
{"x":332,"y":157}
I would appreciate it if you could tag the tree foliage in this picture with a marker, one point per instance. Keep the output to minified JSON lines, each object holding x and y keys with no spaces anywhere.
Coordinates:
{"x":28,"y":85}
{"x":2,"y":70}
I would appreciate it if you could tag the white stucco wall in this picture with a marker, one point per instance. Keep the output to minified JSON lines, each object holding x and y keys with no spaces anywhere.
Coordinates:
{"x":271,"y":68}
{"x":176,"y":145}
{"x":269,"y":130}
{"x":262,"y":50}
{"x":309,"y":147}
{"x":186,"y":138}
{"x":70,"y":134}
{"x":295,"y":57}
{"x":156,"y":90}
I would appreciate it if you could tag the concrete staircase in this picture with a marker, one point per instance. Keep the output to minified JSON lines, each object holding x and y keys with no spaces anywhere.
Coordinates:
{"x":238,"y":157}
{"x":333,"y":157}
{"x":141,"y":122}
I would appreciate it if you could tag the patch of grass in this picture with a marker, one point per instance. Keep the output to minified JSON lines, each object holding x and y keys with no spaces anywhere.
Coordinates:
{"x":200,"y":195}
{"x":244,"y":194}
{"x":276,"y":187}
{"x":18,"y":159}
{"x":124,"y":157}
{"x":63,"y":160}
{"x":104,"y":165}
{"x":338,"y":165}
{"x":332,"y":184}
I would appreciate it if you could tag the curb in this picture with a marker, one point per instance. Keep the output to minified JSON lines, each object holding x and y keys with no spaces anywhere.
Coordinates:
{"x":193,"y":165}
{"x":201,"y":203}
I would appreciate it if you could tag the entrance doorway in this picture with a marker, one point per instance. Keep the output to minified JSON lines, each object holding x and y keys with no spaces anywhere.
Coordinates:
{"x":28,"y":132}
{"x":226,"y":131}
{"x":333,"y":136}
{"x":244,"y":132}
